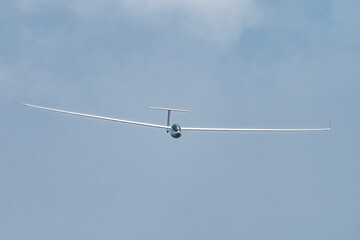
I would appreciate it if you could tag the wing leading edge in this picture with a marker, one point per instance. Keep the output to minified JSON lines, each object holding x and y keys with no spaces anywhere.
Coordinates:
{"x":99,"y":117}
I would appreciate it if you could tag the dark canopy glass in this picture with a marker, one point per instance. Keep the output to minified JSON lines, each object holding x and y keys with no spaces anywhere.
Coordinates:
{"x":176,"y":128}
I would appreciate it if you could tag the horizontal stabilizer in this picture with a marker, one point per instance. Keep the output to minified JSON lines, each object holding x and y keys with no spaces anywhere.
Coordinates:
{"x":169,"y":109}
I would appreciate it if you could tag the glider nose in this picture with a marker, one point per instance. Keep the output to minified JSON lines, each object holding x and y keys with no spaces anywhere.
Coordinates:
{"x":175,"y":134}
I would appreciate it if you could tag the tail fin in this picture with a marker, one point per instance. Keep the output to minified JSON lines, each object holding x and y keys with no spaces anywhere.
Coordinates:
{"x":169,"y":110}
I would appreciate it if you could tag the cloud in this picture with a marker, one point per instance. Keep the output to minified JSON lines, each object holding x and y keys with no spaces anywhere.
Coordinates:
{"x":213,"y":19}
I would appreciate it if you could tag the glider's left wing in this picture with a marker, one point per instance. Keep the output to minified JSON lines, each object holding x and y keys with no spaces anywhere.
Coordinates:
{"x":255,"y":129}
{"x":100,"y":117}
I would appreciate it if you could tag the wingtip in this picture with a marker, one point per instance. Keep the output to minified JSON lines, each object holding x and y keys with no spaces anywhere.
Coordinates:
{"x":329,"y":128}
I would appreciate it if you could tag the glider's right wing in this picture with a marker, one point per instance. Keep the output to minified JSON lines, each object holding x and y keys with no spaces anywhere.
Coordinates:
{"x":99,"y":117}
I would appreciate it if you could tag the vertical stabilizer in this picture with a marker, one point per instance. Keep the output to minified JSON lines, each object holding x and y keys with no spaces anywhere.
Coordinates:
{"x":169,"y":111}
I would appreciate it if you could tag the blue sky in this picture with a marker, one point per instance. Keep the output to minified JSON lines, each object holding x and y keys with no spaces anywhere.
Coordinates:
{"x":242,"y":63}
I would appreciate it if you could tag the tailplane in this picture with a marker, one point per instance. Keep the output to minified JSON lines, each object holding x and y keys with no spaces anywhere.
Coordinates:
{"x":169,"y":110}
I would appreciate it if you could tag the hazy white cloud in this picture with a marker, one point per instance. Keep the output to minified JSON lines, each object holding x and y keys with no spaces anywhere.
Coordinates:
{"x":209,"y":18}
{"x":216,"y":19}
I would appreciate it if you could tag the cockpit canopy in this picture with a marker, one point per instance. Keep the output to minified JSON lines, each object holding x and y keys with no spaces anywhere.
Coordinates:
{"x":176,"y":127}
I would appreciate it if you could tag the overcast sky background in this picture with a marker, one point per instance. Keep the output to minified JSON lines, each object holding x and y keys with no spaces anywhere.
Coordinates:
{"x":233,"y":63}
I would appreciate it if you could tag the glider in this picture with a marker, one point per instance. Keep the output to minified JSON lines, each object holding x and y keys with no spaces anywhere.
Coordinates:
{"x":175,"y":129}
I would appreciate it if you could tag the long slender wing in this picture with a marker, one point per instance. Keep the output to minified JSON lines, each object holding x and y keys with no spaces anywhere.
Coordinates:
{"x":99,"y":117}
{"x":255,"y":129}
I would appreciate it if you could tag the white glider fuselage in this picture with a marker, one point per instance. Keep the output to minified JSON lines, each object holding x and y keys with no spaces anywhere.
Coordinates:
{"x":175,"y":130}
